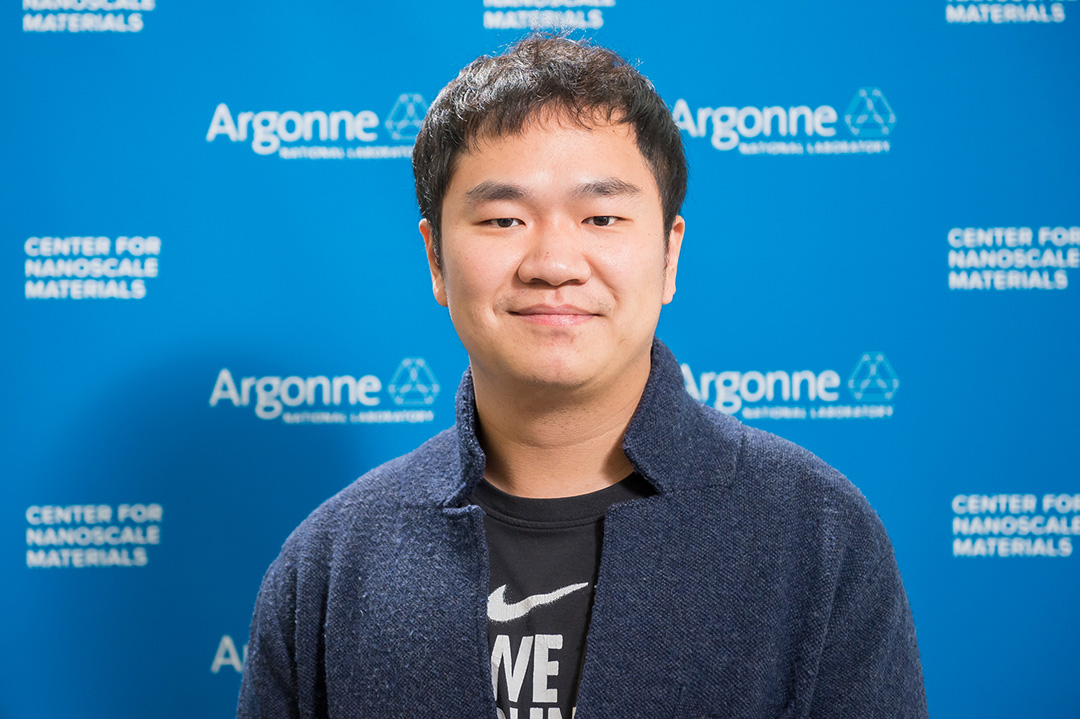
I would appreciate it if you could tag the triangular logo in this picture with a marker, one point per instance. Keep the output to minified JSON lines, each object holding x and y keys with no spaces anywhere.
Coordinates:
{"x":405,"y":116}
{"x":869,"y":114}
{"x":413,"y":383}
{"x":873,"y":379}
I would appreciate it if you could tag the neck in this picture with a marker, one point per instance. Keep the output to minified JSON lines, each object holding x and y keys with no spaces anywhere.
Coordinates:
{"x":543,"y":442}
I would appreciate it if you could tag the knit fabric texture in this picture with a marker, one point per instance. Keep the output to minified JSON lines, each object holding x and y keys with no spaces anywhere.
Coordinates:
{"x":757,"y":582}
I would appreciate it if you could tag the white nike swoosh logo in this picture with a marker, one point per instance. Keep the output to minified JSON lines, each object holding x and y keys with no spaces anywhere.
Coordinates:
{"x":499,"y":611}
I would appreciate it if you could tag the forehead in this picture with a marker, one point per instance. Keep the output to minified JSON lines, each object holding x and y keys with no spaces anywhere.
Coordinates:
{"x":551,"y":116}
{"x":554,"y":151}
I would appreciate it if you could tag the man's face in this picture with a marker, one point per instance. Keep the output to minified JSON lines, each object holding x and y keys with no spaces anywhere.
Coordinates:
{"x":553,"y":259}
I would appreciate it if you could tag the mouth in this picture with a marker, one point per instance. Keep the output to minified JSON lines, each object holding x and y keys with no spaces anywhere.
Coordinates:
{"x":554,"y":315}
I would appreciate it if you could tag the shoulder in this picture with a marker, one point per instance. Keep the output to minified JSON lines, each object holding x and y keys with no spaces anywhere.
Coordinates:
{"x":413,"y":481}
{"x":774,"y":462}
{"x":777,"y":479}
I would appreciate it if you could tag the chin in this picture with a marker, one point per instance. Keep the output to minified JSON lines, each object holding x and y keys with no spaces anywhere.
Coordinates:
{"x":562,"y":372}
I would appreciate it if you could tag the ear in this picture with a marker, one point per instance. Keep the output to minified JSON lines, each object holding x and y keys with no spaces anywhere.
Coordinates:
{"x":674,"y":246}
{"x":438,"y":288}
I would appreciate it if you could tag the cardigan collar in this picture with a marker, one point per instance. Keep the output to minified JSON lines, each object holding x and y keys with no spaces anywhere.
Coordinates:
{"x":658,"y":440}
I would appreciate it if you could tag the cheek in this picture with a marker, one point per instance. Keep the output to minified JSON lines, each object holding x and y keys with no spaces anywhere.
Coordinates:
{"x":634,"y":266}
{"x":474,"y":278}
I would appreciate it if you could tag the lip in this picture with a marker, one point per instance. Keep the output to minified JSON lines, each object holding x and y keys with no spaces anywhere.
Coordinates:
{"x":554,"y":315}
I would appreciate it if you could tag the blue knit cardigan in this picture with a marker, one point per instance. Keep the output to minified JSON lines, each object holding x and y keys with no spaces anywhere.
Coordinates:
{"x":757,"y":582}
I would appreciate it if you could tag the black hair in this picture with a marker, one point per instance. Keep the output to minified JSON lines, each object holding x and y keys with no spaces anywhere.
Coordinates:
{"x":498,"y":95}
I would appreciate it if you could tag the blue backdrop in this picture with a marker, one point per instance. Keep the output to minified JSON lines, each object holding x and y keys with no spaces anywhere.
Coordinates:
{"x":219,"y":311}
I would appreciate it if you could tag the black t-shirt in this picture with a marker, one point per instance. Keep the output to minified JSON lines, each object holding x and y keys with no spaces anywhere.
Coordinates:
{"x":544,"y":557}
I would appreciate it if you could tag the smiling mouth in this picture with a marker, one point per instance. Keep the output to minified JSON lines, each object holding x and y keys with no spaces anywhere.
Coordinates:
{"x":559,"y":316}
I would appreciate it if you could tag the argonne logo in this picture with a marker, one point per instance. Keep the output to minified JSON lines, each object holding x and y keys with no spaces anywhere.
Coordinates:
{"x":790,"y":130}
{"x":812,"y":395}
{"x":273,"y":132}
{"x":319,"y":399}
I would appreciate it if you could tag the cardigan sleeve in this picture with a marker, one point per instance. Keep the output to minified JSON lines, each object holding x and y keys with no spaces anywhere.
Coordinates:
{"x":870,"y":666}
{"x":268,"y":689}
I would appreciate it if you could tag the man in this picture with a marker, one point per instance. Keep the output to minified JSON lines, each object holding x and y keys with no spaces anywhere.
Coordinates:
{"x":586,"y":538}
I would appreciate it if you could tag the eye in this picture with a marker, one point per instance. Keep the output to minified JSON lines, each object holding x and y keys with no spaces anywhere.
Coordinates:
{"x":504,"y":222}
{"x":602,"y":220}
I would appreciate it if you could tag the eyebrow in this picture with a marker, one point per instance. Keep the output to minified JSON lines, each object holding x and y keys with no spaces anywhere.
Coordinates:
{"x":492,"y":191}
{"x":606,"y":187}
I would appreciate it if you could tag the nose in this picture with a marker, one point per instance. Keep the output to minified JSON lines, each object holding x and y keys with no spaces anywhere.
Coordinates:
{"x":555,"y":256}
